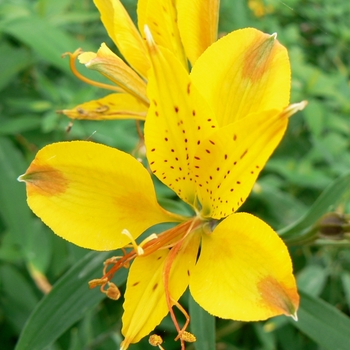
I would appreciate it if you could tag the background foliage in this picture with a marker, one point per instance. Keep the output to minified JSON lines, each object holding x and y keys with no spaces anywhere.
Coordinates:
{"x":35,"y":82}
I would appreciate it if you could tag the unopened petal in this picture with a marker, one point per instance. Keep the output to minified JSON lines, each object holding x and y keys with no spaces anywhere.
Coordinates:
{"x":116,"y":70}
{"x":244,"y":72}
{"x":161,"y":19}
{"x":177,"y":121}
{"x":145,"y":304}
{"x":198,"y":25}
{"x":244,"y":272}
{"x":123,"y":32}
{"x":110,"y":107}
{"x":88,"y":193}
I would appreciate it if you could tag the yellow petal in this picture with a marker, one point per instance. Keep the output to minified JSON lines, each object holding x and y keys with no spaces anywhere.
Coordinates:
{"x":123,"y":32}
{"x":227,"y":164}
{"x":198,"y":25}
{"x":113,"y":106}
{"x":244,"y":272}
{"x":145,"y":304}
{"x":177,"y":120}
{"x":244,"y":72}
{"x":161,"y":18}
{"x":116,"y":70}
{"x":88,"y":193}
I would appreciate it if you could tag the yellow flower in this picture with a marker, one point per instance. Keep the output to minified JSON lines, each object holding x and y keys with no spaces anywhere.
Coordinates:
{"x":186,"y":29}
{"x":208,"y":135}
{"x":259,"y":7}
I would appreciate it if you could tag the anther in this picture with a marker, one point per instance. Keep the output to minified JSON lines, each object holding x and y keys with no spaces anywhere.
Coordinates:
{"x":111,"y":260}
{"x":188,"y":337}
{"x":112,"y":291}
{"x":156,"y":340}
{"x":97,"y":282}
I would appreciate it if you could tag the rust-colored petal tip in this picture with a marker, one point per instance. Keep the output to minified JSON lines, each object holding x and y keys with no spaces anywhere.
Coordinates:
{"x":258,"y":58}
{"x":44,"y":180}
{"x":278,"y":297}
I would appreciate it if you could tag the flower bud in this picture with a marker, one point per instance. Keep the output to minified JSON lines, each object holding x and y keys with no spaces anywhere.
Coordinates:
{"x":334,"y":225}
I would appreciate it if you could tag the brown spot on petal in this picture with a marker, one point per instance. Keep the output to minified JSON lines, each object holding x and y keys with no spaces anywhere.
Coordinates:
{"x":44,"y":180}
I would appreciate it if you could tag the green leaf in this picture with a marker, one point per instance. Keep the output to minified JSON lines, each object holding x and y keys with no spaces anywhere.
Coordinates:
{"x":323,"y":323}
{"x":12,"y":194}
{"x":325,"y":202}
{"x":67,"y":302}
{"x":46,"y":40}
{"x":20,"y":124}
{"x":14,"y":287}
{"x":267,"y":339}
{"x":345,"y":278}
{"x":13,"y":60}
{"x":202,"y":326}
{"x":312,"y":279}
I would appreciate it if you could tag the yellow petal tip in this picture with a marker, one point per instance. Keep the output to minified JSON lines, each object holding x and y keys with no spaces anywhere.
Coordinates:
{"x":294,"y":108}
{"x":21,"y":178}
{"x":294,"y":317}
{"x":149,"y":37}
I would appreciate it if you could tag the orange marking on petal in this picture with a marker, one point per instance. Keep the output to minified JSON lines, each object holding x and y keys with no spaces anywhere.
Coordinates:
{"x":258,"y":59}
{"x":279,"y":297}
{"x":44,"y":179}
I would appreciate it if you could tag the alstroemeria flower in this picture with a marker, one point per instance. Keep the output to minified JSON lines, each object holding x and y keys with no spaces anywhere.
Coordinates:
{"x":208,"y":135}
{"x":184,"y":27}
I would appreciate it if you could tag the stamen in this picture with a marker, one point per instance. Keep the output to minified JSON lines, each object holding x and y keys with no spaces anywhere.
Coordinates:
{"x":138,"y":247}
{"x":156,"y":340}
{"x":72,"y":57}
{"x":183,"y":334}
{"x":150,"y":245}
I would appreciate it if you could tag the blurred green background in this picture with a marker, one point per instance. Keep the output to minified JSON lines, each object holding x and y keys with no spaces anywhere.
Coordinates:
{"x":35,"y":82}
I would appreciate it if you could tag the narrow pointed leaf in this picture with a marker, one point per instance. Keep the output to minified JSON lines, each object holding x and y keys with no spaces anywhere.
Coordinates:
{"x":327,"y":201}
{"x":66,"y":304}
{"x":323,"y":323}
{"x":202,"y":326}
